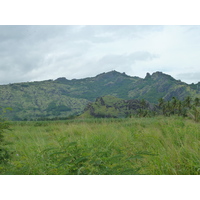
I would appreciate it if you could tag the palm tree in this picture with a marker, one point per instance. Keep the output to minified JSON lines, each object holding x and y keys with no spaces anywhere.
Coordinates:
{"x":161,"y":102}
{"x":180,"y":107}
{"x":188,"y":101}
{"x":143,"y":103}
{"x":197,"y":101}
{"x":168,"y":108}
{"x":173,"y":105}
{"x":195,"y":113}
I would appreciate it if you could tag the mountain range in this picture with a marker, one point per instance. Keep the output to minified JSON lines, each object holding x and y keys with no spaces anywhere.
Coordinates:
{"x":63,"y":98}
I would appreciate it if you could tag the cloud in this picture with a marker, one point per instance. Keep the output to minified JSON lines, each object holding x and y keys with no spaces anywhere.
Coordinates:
{"x":127,"y":59}
{"x":29,"y":53}
{"x":189,"y":77}
{"x":121,"y":63}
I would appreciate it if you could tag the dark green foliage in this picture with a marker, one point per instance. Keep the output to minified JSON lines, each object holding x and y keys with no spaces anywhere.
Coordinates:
{"x":4,"y":153}
{"x":188,"y":107}
{"x":197,"y":101}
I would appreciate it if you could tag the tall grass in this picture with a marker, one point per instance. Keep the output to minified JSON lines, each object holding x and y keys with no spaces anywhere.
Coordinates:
{"x":105,"y":146}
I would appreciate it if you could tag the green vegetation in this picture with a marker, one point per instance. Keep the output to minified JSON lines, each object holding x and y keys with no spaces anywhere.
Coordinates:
{"x":187,"y":107}
{"x":109,"y":106}
{"x":63,"y":98}
{"x":157,"y":145}
{"x":4,"y":126}
{"x":111,"y":124}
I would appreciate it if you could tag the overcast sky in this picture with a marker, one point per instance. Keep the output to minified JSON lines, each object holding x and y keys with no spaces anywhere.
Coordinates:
{"x":34,"y":53}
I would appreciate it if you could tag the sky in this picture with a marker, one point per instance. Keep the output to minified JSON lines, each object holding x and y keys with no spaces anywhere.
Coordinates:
{"x":35,"y":53}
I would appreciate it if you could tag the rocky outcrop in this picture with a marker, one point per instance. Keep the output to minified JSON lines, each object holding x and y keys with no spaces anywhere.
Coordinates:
{"x":109,"y":106}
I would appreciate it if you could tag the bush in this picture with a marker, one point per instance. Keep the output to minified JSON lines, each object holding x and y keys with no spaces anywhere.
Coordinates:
{"x":4,"y":153}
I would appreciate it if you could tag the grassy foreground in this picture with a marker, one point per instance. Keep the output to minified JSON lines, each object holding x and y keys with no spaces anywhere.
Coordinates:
{"x":150,"y":146}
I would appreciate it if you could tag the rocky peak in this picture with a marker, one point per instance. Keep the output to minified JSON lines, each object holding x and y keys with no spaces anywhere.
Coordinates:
{"x":148,"y":76}
{"x":160,"y":75}
{"x":62,"y":80}
{"x":110,"y":75}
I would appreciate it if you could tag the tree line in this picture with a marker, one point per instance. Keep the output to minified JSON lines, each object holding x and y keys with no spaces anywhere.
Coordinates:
{"x":187,"y":107}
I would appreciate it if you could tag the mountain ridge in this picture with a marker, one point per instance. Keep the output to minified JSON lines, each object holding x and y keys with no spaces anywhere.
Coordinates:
{"x":62,"y":97}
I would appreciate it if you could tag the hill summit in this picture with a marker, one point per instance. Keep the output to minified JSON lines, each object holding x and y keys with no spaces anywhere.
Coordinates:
{"x":63,"y":97}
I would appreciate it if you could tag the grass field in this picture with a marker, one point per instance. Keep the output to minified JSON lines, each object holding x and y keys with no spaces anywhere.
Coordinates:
{"x":152,"y":146}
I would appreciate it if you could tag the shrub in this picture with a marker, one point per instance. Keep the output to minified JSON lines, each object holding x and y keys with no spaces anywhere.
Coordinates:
{"x":4,"y":125}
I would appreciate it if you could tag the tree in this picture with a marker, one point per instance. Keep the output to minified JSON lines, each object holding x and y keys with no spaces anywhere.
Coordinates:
{"x":180,"y":108}
{"x":143,"y":103}
{"x":173,"y":105}
{"x":161,"y":102}
{"x":162,"y":105}
{"x":188,"y":101}
{"x":195,"y":113}
{"x":197,"y":101}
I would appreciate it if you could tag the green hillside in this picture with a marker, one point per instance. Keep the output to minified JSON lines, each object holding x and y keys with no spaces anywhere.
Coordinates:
{"x":109,"y":106}
{"x":38,"y":100}
{"x":62,"y":98}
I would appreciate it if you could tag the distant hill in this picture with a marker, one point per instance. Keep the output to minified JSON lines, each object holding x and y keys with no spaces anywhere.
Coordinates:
{"x":63,"y":97}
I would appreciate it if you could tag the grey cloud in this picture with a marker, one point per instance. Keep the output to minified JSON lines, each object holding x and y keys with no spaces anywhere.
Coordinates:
{"x":24,"y":49}
{"x":127,"y":59}
{"x":189,"y":77}
{"x":12,"y":32}
{"x":43,"y":52}
{"x":108,"y":33}
{"x":121,"y":63}
{"x":14,"y":38}
{"x":133,"y":31}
